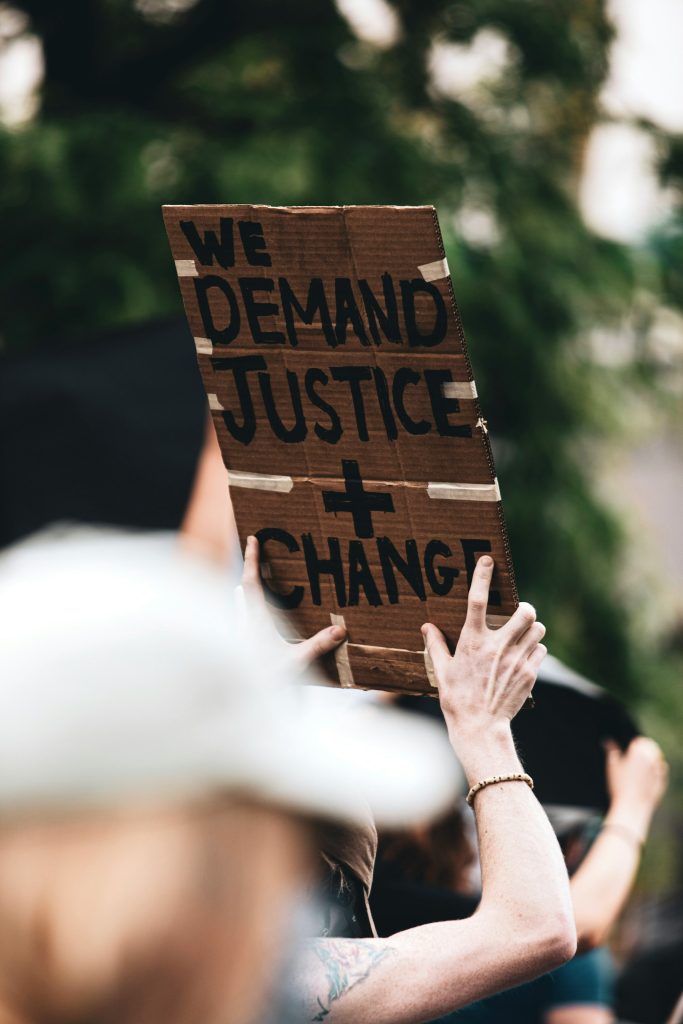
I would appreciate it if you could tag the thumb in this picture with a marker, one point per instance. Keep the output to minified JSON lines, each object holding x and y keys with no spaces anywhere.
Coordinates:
{"x":613,"y":753}
{"x":324,"y":641}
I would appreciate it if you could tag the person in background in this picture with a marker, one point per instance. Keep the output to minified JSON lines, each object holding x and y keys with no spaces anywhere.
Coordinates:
{"x":157,"y":773}
{"x":581,"y":991}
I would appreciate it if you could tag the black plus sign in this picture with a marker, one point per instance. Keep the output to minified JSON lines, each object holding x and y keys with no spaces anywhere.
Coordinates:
{"x":359,"y":502}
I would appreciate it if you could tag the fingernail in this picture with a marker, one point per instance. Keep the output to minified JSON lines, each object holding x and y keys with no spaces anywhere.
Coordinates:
{"x":486,"y":561}
{"x":337,"y":633}
{"x":250,"y":539}
{"x":423,"y":629}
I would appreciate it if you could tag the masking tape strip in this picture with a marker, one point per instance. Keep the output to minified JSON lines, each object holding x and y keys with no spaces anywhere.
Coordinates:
{"x":434,"y":271}
{"x":465,"y":492}
{"x":429,"y":667}
{"x":203,"y":346}
{"x":260,"y":481}
{"x":341,"y":654}
{"x":186,"y":268}
{"x":496,"y":621}
{"x":214,"y":404}
{"x":459,"y":389}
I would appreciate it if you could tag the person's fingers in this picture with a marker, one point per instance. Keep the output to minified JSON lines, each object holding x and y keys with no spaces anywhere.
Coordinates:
{"x":645,"y":747}
{"x":528,"y":671}
{"x":436,"y":647}
{"x":251,"y":575}
{"x":326,"y":640}
{"x":528,"y":642}
{"x":478,"y":597}
{"x":535,"y":659}
{"x":515,"y":628}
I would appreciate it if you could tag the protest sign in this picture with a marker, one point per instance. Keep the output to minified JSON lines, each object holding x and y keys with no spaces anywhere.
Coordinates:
{"x":338,"y":378}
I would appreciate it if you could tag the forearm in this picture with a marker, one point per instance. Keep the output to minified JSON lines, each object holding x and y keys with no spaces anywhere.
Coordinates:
{"x":416,"y":975}
{"x":601,"y":885}
{"x":524,"y":925}
{"x":524,"y":878}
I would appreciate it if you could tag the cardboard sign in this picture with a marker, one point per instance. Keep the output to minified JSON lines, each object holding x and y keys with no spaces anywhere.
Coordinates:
{"x":337,"y":374}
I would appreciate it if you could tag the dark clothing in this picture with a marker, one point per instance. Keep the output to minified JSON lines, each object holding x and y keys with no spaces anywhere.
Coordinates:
{"x":398,"y":904}
{"x":650,"y":984}
{"x":586,"y":980}
{"x":106,"y":431}
{"x":343,"y":906}
{"x":348,"y":855}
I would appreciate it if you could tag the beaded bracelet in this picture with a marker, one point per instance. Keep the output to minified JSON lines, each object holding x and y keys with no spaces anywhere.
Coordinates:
{"x":516,"y":777}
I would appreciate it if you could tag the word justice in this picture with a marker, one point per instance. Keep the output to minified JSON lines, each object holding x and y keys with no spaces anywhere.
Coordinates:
{"x":379,"y":572}
{"x":365,"y":386}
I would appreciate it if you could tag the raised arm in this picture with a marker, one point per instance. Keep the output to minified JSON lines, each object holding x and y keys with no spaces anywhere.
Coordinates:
{"x":524,"y":925}
{"x":637,"y":781}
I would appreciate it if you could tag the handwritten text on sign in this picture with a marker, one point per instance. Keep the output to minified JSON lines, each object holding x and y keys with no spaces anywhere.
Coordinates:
{"x":342,"y":395}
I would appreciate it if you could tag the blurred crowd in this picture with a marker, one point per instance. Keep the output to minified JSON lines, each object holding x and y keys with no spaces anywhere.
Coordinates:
{"x":189,"y":828}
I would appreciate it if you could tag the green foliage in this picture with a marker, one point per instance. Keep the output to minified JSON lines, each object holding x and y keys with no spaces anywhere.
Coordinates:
{"x":282,"y":103}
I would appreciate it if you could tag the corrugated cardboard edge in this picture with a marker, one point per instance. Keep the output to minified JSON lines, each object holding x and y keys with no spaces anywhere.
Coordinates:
{"x":484,"y":433}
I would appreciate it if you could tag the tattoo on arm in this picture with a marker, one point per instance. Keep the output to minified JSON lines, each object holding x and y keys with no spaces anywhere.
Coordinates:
{"x":347,"y":963}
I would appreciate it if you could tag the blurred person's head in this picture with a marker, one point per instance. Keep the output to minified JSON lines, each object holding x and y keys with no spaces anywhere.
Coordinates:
{"x":156,"y":770}
{"x":439,"y":854}
{"x":174,"y":914}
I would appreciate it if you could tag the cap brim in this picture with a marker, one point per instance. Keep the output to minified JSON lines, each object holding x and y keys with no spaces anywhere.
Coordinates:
{"x":129,"y":675}
{"x":339,"y":758}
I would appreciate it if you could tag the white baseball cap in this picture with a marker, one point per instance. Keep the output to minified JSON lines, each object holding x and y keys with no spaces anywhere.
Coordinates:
{"x":127,"y":675}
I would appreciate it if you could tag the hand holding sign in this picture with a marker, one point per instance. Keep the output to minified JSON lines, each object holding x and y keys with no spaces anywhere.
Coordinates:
{"x":485,"y":683}
{"x":307,"y":651}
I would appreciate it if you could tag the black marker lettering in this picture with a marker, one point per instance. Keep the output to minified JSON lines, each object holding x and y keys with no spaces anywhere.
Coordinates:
{"x":241,"y":366}
{"x":443,"y":406}
{"x":438,"y":331}
{"x":218,"y":335}
{"x":385,"y":320}
{"x":316,"y":305}
{"x":254,"y":243}
{"x":441,"y":577}
{"x":353,"y":375}
{"x":360,"y":576}
{"x":209,"y":248}
{"x":404,"y":376}
{"x":330,"y":434}
{"x":409,"y":567}
{"x":384,"y":403}
{"x":332,"y":566}
{"x":255,"y":310}
{"x":296,"y":433}
{"x":295,"y":596}
{"x":347,"y":312}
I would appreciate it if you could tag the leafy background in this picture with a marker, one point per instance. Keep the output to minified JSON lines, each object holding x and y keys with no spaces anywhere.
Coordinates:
{"x":173,"y":101}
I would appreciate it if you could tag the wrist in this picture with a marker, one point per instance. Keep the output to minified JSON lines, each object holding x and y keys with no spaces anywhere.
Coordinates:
{"x":631,"y":835}
{"x":631,"y":813}
{"x":486,"y":750}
